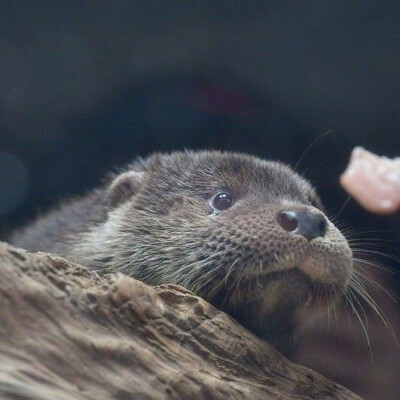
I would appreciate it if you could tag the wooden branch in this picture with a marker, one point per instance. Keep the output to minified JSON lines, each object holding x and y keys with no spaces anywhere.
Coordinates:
{"x":66,"y":334}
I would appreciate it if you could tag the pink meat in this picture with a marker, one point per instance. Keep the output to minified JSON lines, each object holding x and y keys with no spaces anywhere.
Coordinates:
{"x":373,"y":181}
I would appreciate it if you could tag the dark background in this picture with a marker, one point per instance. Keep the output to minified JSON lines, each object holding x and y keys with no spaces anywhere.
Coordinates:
{"x":87,"y":86}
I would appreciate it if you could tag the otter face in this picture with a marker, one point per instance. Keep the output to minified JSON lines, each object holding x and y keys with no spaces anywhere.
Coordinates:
{"x":247,"y":235}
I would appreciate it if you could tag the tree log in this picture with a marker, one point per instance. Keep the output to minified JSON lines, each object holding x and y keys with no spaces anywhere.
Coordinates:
{"x":67,"y":333}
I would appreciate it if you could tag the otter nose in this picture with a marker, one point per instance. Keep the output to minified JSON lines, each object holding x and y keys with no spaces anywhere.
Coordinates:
{"x":303,"y":223}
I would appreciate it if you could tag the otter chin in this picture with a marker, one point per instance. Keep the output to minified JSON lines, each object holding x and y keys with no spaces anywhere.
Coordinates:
{"x":248,"y":235}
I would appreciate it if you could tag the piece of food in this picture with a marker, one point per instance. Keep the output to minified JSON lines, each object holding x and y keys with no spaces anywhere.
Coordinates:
{"x":373,"y":181}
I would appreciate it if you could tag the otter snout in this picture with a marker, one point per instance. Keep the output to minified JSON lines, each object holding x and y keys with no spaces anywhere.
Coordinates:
{"x":304,"y":223}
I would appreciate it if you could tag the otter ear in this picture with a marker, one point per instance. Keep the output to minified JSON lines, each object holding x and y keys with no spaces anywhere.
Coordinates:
{"x":123,"y":187}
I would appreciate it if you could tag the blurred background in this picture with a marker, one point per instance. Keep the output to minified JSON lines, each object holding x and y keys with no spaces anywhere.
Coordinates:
{"x":87,"y":86}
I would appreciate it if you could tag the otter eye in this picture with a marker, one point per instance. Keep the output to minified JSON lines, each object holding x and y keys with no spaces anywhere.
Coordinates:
{"x":221,"y":201}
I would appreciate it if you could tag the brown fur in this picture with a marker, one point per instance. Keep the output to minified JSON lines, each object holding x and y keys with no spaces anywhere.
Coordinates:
{"x":153,"y":221}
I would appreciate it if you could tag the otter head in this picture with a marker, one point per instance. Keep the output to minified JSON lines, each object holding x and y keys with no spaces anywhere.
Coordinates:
{"x":248,"y":235}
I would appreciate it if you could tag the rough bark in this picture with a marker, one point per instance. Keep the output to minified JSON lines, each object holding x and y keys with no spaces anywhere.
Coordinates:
{"x":67,"y":333}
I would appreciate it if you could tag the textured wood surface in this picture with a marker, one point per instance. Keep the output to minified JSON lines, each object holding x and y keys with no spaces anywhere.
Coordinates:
{"x":67,"y":334}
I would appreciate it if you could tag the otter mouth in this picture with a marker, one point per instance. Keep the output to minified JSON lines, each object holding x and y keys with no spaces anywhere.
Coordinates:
{"x":303,"y":289}
{"x":322,"y":295}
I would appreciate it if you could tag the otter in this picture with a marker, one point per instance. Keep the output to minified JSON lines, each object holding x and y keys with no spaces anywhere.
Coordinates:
{"x":248,"y":235}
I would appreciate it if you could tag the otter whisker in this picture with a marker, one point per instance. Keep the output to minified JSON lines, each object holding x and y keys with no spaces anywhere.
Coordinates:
{"x":376,"y":252}
{"x":235,"y":282}
{"x":330,"y":310}
{"x":355,"y":312}
{"x":360,"y":245}
{"x":336,"y":309}
{"x":239,"y":277}
{"x":348,"y":300}
{"x":360,"y":289}
{"x":310,"y":146}
{"x":227,"y":276}
{"x":372,"y":240}
{"x":344,"y":205}
{"x":370,"y":263}
{"x":359,"y":292}
{"x":222,"y":281}
{"x":368,"y":232}
{"x":377,"y":285}
{"x":197,"y":279}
